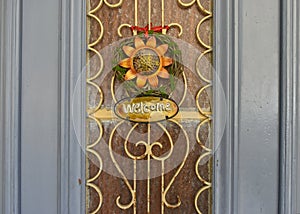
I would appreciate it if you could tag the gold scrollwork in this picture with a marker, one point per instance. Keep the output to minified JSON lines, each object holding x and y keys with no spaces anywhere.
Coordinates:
{"x":207,"y":46}
{"x":123,"y":26}
{"x":202,"y":55}
{"x":148,"y":154}
{"x":191,"y":3}
{"x":186,"y":4}
{"x":134,"y":31}
{"x":179,"y":26}
{"x":203,"y":9}
{"x":90,"y":147}
{"x":206,"y":118}
{"x":130,"y":188}
{"x":207,"y":114}
{"x":177,"y":172}
{"x":113,"y":5}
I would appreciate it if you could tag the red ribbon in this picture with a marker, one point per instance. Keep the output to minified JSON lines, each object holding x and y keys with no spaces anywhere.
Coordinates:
{"x":146,"y":29}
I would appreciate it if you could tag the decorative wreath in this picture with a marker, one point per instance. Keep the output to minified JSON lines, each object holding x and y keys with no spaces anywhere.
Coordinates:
{"x":148,"y":65}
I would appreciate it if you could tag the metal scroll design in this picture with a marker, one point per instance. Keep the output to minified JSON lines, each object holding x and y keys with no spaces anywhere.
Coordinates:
{"x":163,"y":25}
{"x":206,"y":116}
{"x":90,"y":147}
{"x":148,"y":155}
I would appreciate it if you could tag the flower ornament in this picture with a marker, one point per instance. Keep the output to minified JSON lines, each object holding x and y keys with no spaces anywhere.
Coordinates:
{"x":146,"y":62}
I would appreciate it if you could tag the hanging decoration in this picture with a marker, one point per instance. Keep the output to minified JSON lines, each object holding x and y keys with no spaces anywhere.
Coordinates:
{"x":148,"y":63}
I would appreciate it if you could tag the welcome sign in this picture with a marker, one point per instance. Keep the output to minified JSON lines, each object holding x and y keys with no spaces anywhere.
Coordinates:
{"x":146,"y":109}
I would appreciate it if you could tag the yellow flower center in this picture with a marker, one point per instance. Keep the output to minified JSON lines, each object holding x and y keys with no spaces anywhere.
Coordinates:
{"x":146,"y":61}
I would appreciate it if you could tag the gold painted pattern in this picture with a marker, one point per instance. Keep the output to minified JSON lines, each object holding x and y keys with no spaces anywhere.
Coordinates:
{"x":164,"y":31}
{"x":148,"y":154}
{"x":97,"y":114}
{"x":90,"y":146}
{"x":207,"y":114}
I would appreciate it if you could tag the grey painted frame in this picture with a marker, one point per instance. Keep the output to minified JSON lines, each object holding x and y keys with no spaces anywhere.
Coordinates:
{"x":231,"y":20}
{"x":229,"y":40}
{"x":290,"y":102}
{"x":73,"y":60}
{"x":40,"y":109}
{"x":52,"y":62}
{"x":66,"y":48}
{"x":225,"y":47}
{"x":10,"y":78}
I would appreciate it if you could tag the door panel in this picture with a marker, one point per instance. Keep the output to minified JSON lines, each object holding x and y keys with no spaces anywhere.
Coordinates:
{"x":40,"y":91}
{"x":155,"y":186}
{"x":258,"y":107}
{"x":42,"y":55}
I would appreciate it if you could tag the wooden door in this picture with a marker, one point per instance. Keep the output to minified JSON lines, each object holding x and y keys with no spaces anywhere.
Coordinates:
{"x":158,"y":167}
{"x":42,"y":125}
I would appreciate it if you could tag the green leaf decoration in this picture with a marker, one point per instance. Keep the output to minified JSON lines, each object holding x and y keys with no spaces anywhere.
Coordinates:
{"x":175,"y":69}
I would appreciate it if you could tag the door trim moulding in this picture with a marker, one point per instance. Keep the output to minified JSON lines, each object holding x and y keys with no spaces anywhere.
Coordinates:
{"x":226,"y":64}
{"x":71,"y":168}
{"x":289,"y":109}
{"x":244,"y":177}
{"x":10,"y":103}
{"x":72,"y":107}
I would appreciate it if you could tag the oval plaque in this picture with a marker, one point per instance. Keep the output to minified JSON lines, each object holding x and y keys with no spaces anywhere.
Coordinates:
{"x":146,"y":109}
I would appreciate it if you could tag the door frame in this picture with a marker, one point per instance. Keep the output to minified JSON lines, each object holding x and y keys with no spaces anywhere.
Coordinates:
{"x":289,"y":108}
{"x":10,"y":78}
{"x":229,"y":40}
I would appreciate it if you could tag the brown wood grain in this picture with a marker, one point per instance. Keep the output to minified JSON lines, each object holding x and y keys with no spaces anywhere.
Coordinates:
{"x":187,"y":183}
